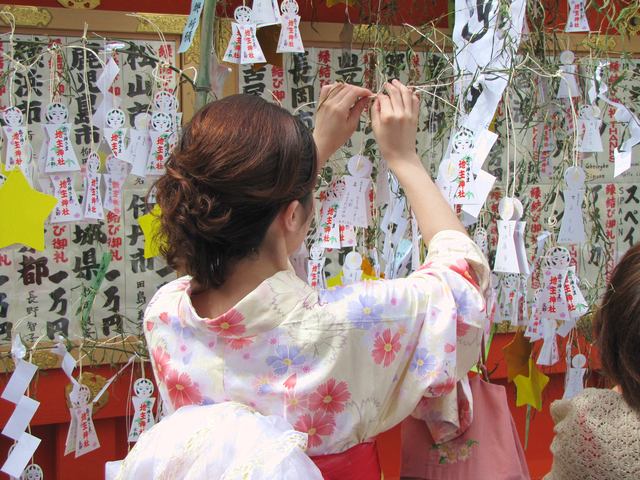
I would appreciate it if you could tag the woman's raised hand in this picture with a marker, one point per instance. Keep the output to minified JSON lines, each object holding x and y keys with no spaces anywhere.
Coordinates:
{"x":337,"y":116}
{"x":395,"y":122}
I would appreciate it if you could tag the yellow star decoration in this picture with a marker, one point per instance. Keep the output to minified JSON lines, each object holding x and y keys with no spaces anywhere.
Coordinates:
{"x":23,"y":211}
{"x":150,"y":224}
{"x":517,"y":354}
{"x":529,"y":389}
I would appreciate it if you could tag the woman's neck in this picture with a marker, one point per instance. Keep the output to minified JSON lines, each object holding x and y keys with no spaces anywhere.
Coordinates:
{"x":243,"y":278}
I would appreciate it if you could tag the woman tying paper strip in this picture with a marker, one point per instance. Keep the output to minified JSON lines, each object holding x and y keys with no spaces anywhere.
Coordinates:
{"x":340,"y":365}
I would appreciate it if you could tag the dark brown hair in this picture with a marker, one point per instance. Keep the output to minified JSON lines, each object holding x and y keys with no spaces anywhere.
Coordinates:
{"x":239,"y":161}
{"x":617,"y":327}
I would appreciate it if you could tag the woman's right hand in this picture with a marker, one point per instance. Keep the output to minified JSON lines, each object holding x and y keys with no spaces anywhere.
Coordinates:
{"x":395,"y":122}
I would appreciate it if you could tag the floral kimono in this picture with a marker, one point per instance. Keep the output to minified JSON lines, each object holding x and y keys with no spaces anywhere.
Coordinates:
{"x":341,"y":365}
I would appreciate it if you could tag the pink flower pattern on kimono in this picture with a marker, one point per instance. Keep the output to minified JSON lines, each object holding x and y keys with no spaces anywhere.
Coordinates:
{"x":330,"y":397}
{"x":316,"y":425}
{"x":386,"y":347}
{"x":182,"y":390}
{"x":228,"y":324}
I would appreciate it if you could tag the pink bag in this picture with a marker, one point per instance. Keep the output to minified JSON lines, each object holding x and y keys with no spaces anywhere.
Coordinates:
{"x":489,"y":449}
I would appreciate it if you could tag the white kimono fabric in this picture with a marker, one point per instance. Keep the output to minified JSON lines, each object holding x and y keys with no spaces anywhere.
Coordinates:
{"x":226,"y":441}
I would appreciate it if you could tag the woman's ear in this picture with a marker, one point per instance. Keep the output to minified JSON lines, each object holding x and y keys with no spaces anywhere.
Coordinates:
{"x":293,"y":216}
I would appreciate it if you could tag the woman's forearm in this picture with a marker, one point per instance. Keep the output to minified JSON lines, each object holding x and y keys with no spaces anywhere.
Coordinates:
{"x":432,"y":211}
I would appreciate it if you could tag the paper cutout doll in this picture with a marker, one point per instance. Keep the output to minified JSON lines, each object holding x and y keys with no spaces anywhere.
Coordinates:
{"x":290,"y":39}
{"x":60,"y":154}
{"x":572,"y":226}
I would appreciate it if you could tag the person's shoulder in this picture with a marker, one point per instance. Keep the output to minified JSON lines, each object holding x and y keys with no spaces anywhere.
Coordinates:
{"x":168,"y":293}
{"x":590,"y":402}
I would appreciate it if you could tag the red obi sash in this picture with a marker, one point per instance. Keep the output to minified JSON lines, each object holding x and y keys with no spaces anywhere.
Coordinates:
{"x":357,"y":463}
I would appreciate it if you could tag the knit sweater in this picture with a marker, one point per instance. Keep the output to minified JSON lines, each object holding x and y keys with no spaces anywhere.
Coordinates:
{"x":597,"y":437}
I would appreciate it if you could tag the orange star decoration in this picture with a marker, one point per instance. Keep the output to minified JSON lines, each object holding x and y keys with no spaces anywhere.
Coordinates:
{"x":23,"y":211}
{"x":529,"y":389}
{"x":517,"y":354}
{"x":150,"y":224}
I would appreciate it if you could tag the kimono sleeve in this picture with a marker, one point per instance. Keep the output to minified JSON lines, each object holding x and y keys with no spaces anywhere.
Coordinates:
{"x":424,"y":333}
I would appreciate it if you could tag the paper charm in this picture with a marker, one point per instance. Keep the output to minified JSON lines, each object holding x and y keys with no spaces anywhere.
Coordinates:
{"x":143,"y":408}
{"x":114,"y":180}
{"x":622,"y":162}
{"x":150,"y":225}
{"x":576,"y":17}
{"x":572,"y":225}
{"x":394,"y":226}
{"x":549,"y":354}
{"x":25,"y":408}
{"x":530,"y":388}
{"x":624,"y":115}
{"x":32,"y":472}
{"x":161,"y":123}
{"x":60,"y":154}
{"x":82,"y":437}
{"x":481,"y":239}
{"x":516,"y":356}
{"x":167,"y":102}
{"x":455,"y":173}
{"x":290,"y":39}
{"x":568,"y":81}
{"x":416,"y":242}
{"x":534,"y":326}
{"x":576,"y":302}
{"x":589,"y":122}
{"x":315,"y":270}
{"x":331,"y":233}
{"x":68,"y":208}
{"x":108,"y":101}
{"x":518,"y":238}
{"x":139,"y":146}
{"x":23,"y":212}
{"x":352,"y":268}
{"x":92,"y":195}
{"x":552,"y":302}
{"x":115,"y":133}
{"x":265,"y":12}
{"x":575,"y":377}
{"x":506,"y":259}
{"x":509,"y":299}
{"x":243,"y":45}
{"x":353,"y":209}
{"x":17,"y":147}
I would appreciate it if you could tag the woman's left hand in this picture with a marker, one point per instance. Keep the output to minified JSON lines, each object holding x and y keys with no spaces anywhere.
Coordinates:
{"x":339,"y":109}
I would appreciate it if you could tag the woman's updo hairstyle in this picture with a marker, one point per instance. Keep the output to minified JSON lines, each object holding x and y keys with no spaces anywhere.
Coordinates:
{"x":239,"y":161}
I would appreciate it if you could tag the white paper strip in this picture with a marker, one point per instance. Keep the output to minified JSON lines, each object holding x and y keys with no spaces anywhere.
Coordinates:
{"x":19,"y":381}
{"x":21,"y":454}
{"x":22,"y":415}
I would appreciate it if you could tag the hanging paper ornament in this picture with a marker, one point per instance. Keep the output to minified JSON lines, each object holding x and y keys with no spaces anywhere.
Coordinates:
{"x":529,"y":388}
{"x":568,"y":81}
{"x":353,"y":209}
{"x":32,"y":472}
{"x":575,"y":377}
{"x":481,"y":239}
{"x":108,"y":100}
{"x":518,"y":238}
{"x":352,"y":268}
{"x":589,"y":140}
{"x":572,"y":226}
{"x":139,"y":146}
{"x":115,"y":134}
{"x":25,"y":408}
{"x":265,"y":12}
{"x":17,"y":147}
{"x":315,"y":269}
{"x":290,"y":39}
{"x":394,"y":226}
{"x":576,"y":17}
{"x":549,"y":354}
{"x":143,"y":408}
{"x":68,"y":208}
{"x":552,"y":301}
{"x":82,"y":437}
{"x":243,"y":45}
{"x":60,"y":154}
{"x":576,"y":302}
{"x":331,"y":233}
{"x":506,"y":259}
{"x":92,"y":195}
{"x":160,"y":134}
{"x":509,"y":299}
{"x":114,"y":181}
